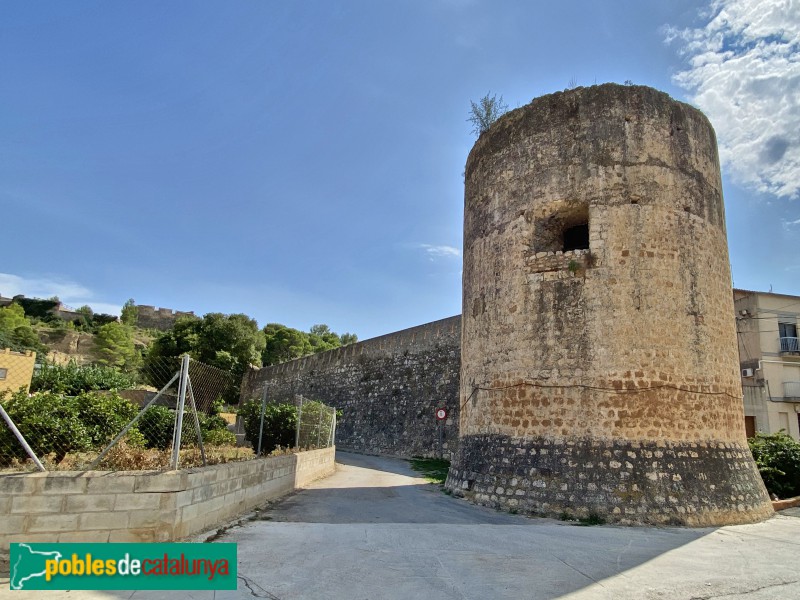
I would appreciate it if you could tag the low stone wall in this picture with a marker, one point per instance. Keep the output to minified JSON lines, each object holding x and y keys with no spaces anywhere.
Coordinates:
{"x":145,"y":506}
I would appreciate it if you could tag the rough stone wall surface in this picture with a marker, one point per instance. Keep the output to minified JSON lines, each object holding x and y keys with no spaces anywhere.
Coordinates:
{"x":388,"y":389}
{"x":604,"y":379}
{"x":150,"y":317}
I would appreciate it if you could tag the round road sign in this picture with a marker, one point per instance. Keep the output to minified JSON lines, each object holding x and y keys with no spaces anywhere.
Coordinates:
{"x":441,"y":414}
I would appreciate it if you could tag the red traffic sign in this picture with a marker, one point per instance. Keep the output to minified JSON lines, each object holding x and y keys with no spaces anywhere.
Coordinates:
{"x":441,"y":414}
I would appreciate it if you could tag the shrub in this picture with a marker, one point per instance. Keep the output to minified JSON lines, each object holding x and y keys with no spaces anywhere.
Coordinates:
{"x":778,"y":459}
{"x":280,"y":422}
{"x":104,"y":415}
{"x":49,"y":422}
{"x":72,"y":380}
{"x":157,"y":425}
{"x":219,"y":437}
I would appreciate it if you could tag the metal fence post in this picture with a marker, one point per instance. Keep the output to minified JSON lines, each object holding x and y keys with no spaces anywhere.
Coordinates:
{"x":319,"y":425}
{"x":21,"y":438}
{"x":261,"y":427}
{"x":176,"y":443}
{"x":197,"y":425}
{"x":333,"y":427}
{"x":299,"y":421}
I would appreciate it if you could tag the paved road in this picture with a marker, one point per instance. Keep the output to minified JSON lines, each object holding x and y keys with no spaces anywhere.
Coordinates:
{"x":375,"y":530}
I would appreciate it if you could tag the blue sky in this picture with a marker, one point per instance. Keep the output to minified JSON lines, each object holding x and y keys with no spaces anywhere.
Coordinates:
{"x":302,"y":162}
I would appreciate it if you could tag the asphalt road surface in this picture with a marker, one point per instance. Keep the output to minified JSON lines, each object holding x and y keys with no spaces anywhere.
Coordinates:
{"x":376,"y":530}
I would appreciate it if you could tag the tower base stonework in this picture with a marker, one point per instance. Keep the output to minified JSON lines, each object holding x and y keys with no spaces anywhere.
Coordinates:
{"x":599,"y":374}
{"x":627,"y":482}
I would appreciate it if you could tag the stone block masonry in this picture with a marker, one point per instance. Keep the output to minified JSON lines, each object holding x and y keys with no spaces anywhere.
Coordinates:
{"x":599,"y":371}
{"x":139,"y":506}
{"x":387,"y":387}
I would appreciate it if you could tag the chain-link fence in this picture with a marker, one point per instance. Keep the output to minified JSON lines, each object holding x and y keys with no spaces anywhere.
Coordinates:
{"x":302,"y":424}
{"x":168,"y":414}
{"x":316,"y":424}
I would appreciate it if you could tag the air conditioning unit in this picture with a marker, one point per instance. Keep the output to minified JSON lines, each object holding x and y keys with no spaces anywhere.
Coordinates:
{"x":747,"y":372}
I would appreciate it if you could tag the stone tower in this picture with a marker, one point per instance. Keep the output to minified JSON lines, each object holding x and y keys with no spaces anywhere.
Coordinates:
{"x":599,"y":369}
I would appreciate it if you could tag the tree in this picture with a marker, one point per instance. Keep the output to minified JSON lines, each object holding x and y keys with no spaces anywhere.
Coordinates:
{"x":130,"y":313}
{"x":16,"y":331}
{"x":348,"y":338}
{"x":485,"y":112}
{"x":322,"y":338}
{"x":283,"y":344}
{"x":228,"y":342}
{"x":777,"y":456}
{"x":114,"y":343}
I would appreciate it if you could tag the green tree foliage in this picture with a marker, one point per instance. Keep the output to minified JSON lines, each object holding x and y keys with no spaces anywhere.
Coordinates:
{"x":37,"y":308}
{"x":16,"y":331}
{"x":485,"y":112}
{"x":778,"y":459}
{"x":115,"y":346}
{"x":72,"y":379}
{"x":104,"y":415}
{"x":285,"y":343}
{"x":157,"y":425}
{"x":348,"y":338}
{"x":322,"y":338}
{"x":229,"y":342}
{"x":130,"y":313}
{"x":49,"y":422}
{"x":280,"y":423}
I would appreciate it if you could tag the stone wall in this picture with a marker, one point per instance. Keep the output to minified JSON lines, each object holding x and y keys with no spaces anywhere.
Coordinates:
{"x":150,"y":317}
{"x":387,"y":388}
{"x":145,"y":506}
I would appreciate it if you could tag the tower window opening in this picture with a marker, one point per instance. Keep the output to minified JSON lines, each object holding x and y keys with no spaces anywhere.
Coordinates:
{"x":576,"y":237}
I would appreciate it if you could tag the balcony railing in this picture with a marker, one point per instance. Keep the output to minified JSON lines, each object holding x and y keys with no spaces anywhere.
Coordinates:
{"x":789,"y":344}
{"x":791,"y":389}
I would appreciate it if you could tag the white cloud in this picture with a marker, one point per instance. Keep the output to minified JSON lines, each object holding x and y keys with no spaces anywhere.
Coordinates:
{"x":70,"y":293}
{"x":789,"y":224}
{"x":744,"y":73}
{"x":442,"y":251}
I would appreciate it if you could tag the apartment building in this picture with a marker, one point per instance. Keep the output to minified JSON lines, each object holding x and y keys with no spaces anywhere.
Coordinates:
{"x":767,"y":326}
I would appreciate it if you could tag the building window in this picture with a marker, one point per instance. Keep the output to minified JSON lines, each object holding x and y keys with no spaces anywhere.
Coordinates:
{"x":788,"y":334}
{"x":564,"y":230}
{"x":576,"y":237}
{"x":3,"y":374}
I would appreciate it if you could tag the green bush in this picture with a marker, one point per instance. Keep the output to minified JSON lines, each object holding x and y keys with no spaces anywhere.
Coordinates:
{"x":49,"y":422}
{"x":219,"y":437}
{"x":280,"y":422}
{"x":72,"y":380}
{"x":157,"y":425}
{"x":104,"y":415}
{"x":778,"y":458}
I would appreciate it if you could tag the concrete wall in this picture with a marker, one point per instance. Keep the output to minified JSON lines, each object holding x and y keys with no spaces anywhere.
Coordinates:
{"x":137,"y":506}
{"x":387,"y":387}
{"x":16,"y":369}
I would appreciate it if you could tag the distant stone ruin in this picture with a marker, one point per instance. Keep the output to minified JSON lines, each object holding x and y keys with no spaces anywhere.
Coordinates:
{"x":150,"y":317}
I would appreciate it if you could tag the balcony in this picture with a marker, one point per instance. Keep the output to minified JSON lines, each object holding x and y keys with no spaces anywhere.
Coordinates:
{"x":791,"y":390}
{"x":789,"y":344}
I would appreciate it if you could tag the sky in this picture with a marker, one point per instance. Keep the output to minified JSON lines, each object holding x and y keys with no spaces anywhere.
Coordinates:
{"x":301,"y":162}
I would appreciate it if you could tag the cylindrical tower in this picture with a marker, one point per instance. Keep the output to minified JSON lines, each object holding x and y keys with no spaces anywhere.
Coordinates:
{"x":599,"y":372}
